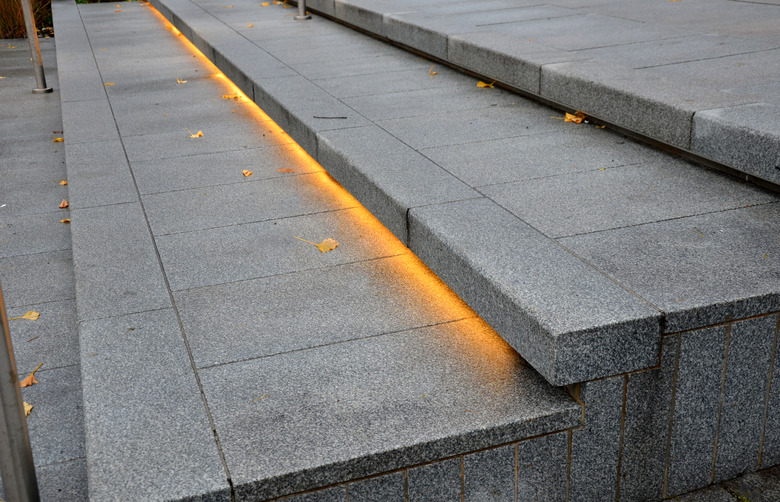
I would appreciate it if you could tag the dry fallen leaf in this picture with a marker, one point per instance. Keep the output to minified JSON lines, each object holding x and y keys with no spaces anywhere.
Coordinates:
{"x":31,"y":315}
{"x":58,"y":140}
{"x":180,"y":81}
{"x":483,"y":85}
{"x":64,"y":182}
{"x":27,"y":408}
{"x":64,"y":204}
{"x":285,"y":170}
{"x":198,"y":134}
{"x":264,"y":4}
{"x":30,"y":380}
{"x":324,"y":246}
{"x":431,"y":72}
{"x":577,"y":117}
{"x":230,"y":96}
{"x":108,"y":83}
{"x":247,"y":172}
{"x":250,"y":25}
{"x":66,"y":221}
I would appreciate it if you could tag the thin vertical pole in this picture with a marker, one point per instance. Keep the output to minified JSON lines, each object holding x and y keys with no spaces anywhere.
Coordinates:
{"x":302,"y":11}
{"x":35,"y":48}
{"x":16,"y":460}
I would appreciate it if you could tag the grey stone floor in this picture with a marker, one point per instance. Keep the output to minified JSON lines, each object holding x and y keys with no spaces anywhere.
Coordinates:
{"x":187,"y":196}
{"x":36,"y":269}
{"x":587,"y":199}
{"x":216,"y":345}
{"x":701,"y":75}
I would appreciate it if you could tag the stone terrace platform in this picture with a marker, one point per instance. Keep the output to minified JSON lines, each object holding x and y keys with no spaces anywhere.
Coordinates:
{"x":220,"y":360}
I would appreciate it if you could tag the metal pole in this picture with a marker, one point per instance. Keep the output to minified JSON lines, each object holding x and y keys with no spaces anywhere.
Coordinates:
{"x":16,"y":461}
{"x":301,"y":11}
{"x":35,"y":48}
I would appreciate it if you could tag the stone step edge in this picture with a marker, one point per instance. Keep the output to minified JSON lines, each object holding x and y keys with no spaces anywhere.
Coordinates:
{"x":620,"y":333}
{"x":114,"y":385}
{"x":724,"y":131}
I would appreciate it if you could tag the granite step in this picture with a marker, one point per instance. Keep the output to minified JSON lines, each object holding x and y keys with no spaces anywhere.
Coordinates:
{"x":642,"y":282}
{"x":222,"y":358}
{"x":705,"y":85}
{"x":543,"y":243}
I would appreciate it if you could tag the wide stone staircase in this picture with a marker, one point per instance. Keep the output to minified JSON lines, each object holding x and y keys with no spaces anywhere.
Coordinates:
{"x":549,"y":310}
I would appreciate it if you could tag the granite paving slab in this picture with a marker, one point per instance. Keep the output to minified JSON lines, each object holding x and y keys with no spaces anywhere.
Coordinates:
{"x":50,"y":340}
{"x":199,"y":171}
{"x":178,"y":142}
{"x":215,"y":206}
{"x":116,"y":272}
{"x":633,"y":48}
{"x":37,"y":278}
{"x":379,"y":413}
{"x":168,"y":450}
{"x":226,"y":254}
{"x":289,"y":312}
{"x":504,"y":160}
{"x":22,"y":199}
{"x":25,"y":170}
{"x":56,"y":421}
{"x":686,"y":272}
{"x":622,"y":196}
{"x":32,"y":234}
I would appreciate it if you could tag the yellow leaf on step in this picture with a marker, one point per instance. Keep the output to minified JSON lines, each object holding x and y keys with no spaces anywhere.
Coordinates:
{"x":577,"y":117}
{"x":324,"y":246}
{"x":30,"y":380}
{"x":198,"y":134}
{"x":64,"y":182}
{"x":64,"y":204}
{"x":285,"y":170}
{"x":431,"y":72}
{"x":27,"y":408}
{"x":247,"y":172}
{"x":264,"y":4}
{"x":108,"y":83}
{"x":180,"y":81}
{"x":58,"y":140}
{"x":250,"y":25}
{"x":230,"y":96}
{"x":66,"y":221}
{"x":484,"y":85}
{"x":30,"y":316}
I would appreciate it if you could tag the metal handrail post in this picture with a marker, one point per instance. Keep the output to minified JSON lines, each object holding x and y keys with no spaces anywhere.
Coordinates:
{"x":35,"y":48}
{"x":301,"y":11}
{"x":16,"y":460}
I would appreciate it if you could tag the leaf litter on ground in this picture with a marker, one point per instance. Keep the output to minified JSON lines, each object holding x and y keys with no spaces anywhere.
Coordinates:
{"x":31,"y":315}
{"x":30,"y":380}
{"x":324,"y":246}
